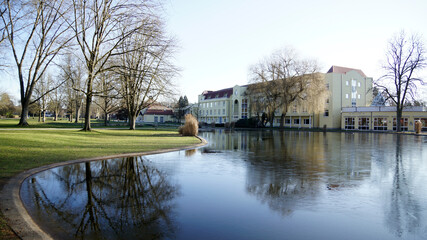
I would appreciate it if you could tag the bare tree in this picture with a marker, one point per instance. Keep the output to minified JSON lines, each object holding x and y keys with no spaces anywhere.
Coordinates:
{"x":35,"y":32}
{"x":145,"y":73}
{"x":283,"y":80}
{"x":405,"y":57}
{"x":73,"y":76}
{"x":108,"y":98}
{"x":41,"y":96}
{"x":99,"y":29}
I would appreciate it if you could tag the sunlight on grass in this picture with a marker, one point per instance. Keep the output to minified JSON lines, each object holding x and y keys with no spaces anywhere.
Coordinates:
{"x":21,"y":150}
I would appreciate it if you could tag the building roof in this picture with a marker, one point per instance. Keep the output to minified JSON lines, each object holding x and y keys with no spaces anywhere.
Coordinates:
{"x":344,"y":70}
{"x":157,"y":109}
{"x":218,"y":94}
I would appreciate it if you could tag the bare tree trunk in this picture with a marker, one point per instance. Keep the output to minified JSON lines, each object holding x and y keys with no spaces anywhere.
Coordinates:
{"x":24,"y":114}
{"x":88,"y":104}
{"x":105,"y":118}
{"x":56,"y":115}
{"x":44,"y":115}
{"x":40,"y":115}
{"x":132,"y":120}
{"x":282,"y":120}
{"x":78,"y":107}
{"x":398,"y":119}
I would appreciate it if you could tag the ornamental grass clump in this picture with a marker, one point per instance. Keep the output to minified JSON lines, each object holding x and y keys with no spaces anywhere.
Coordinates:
{"x":191,"y":126}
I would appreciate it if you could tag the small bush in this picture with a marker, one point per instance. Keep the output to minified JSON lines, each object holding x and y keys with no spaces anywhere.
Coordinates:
{"x":191,"y":126}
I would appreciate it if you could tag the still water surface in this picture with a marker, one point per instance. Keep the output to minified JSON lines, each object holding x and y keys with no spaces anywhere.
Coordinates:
{"x":243,"y":185}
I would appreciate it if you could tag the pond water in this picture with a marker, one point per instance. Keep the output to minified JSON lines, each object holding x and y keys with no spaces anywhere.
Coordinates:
{"x":243,"y":185}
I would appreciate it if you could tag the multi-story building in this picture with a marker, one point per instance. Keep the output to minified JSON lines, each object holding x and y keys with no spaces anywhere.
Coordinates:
{"x":349,"y":89}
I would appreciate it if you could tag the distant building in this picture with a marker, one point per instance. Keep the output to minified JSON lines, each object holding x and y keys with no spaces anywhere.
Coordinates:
{"x":348,"y":87}
{"x":382,"y":118}
{"x":350,"y":106}
{"x":155,"y":114}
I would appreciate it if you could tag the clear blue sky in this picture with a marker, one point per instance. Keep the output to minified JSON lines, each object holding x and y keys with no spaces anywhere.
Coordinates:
{"x":220,"y":39}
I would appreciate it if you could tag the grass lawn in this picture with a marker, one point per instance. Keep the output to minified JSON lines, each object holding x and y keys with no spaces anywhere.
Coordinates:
{"x":25,"y":149}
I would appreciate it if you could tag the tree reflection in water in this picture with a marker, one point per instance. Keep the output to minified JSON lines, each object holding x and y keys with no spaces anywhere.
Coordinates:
{"x":124,"y":198}
{"x":288,"y":179}
{"x":403,"y":212}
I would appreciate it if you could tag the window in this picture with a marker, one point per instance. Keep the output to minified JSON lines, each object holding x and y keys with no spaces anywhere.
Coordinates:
{"x":296,"y":120}
{"x":349,"y":123}
{"x":223,"y":111}
{"x":358,"y":96}
{"x":326,"y":114}
{"x":403,"y":124}
{"x":327,"y":100}
{"x":223,"y":103}
{"x":287,"y":121}
{"x":156,"y":119}
{"x":244,"y":108}
{"x":294,"y":108}
{"x":358,"y":84}
{"x":210,"y":112}
{"x":307,"y":121}
{"x":161,"y":119}
{"x":363,"y":123}
{"x":380,"y":123}
{"x":346,"y":95}
{"x":346,"y":83}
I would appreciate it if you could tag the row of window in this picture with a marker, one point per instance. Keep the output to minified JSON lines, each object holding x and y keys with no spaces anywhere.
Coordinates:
{"x":214,"y":120}
{"x":213,"y":104}
{"x":211,"y":112}
{"x":379,"y":123}
{"x":296,"y":121}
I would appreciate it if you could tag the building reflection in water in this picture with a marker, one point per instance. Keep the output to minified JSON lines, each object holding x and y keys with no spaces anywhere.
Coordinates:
{"x":246,"y":184}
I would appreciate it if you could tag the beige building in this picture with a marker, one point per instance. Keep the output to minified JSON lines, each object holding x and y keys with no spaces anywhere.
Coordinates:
{"x":155,"y":114}
{"x":348,"y":89}
{"x":382,"y":118}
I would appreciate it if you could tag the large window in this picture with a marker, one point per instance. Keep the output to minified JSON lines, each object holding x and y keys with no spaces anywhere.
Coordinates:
{"x":403,"y":124}
{"x":349,"y":123}
{"x":244,"y":108}
{"x":380,"y":123}
{"x":363,"y":123}
{"x":306,"y":121}
{"x":288,"y":121}
{"x":296,"y":121}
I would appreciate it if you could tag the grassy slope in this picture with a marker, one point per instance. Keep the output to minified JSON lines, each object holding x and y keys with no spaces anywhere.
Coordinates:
{"x":26,"y":149}
{"x":30,"y":148}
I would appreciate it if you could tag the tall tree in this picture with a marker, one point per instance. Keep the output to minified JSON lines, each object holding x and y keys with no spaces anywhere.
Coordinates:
{"x":182,"y":103}
{"x":35,"y":33}
{"x":405,"y":58}
{"x":7,"y":108}
{"x":108,"y":98}
{"x":145,"y":71}
{"x":73,"y":76}
{"x":283,"y":80}
{"x":100,"y":28}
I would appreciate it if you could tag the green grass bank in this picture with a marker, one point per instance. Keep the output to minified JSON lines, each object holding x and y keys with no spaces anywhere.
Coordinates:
{"x":22,"y":149}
